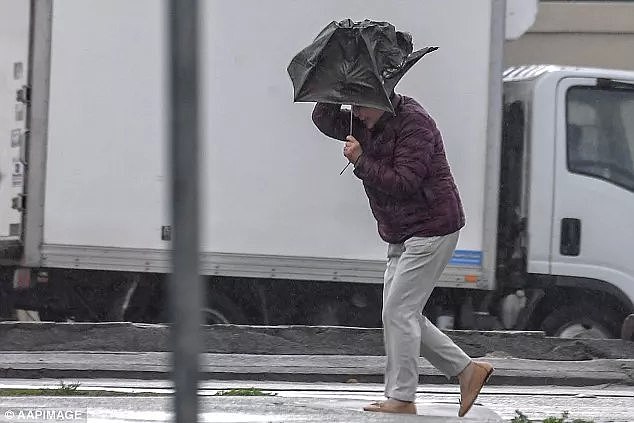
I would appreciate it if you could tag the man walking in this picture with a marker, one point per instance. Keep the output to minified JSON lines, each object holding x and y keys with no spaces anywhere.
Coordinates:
{"x":401,"y":160}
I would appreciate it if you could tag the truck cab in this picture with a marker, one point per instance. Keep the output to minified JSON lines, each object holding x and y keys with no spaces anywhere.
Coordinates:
{"x":567,"y":197}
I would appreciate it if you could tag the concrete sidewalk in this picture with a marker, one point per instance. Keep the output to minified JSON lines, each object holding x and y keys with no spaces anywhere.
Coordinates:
{"x":246,"y":410}
{"x":343,"y":401}
{"x":299,"y":368}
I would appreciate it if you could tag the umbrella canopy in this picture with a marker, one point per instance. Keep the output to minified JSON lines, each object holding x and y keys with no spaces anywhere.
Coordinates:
{"x":356,"y":63}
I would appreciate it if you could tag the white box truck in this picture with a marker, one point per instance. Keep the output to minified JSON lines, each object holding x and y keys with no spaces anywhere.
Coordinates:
{"x":543,"y":158}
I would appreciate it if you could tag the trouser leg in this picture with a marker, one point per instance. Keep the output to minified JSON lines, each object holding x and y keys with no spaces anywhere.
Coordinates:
{"x":410,"y":280}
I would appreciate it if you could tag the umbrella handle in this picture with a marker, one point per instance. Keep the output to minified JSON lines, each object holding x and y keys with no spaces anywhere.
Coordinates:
{"x":351,"y":117}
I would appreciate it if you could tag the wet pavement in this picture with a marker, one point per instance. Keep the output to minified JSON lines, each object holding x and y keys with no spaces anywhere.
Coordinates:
{"x":326,"y":402}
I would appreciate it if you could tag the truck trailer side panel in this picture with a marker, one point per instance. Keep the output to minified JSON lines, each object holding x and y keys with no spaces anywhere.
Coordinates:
{"x":274,"y":204}
{"x":14,"y":54}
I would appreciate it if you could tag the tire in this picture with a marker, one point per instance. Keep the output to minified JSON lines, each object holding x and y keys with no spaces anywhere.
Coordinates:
{"x":627,"y":330}
{"x":47,"y":315}
{"x":222,"y":310}
{"x":329,"y":314}
{"x":582,"y":321}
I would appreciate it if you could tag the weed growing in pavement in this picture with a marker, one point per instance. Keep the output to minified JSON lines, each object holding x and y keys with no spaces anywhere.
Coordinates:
{"x":522,"y":418}
{"x":63,"y":390}
{"x":69,"y":390}
{"x":244,"y":392}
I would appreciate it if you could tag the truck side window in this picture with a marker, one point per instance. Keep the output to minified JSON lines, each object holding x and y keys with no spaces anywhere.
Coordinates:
{"x":600,"y":134}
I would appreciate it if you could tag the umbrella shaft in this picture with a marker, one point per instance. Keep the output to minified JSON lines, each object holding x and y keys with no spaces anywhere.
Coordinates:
{"x":351,"y":116}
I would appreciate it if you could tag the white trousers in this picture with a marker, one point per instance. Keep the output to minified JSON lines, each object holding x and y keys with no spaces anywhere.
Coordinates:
{"x":413,"y":269}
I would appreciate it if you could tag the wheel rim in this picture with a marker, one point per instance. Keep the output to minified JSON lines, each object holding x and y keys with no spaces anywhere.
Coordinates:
{"x":213,"y":316}
{"x":584,"y":330}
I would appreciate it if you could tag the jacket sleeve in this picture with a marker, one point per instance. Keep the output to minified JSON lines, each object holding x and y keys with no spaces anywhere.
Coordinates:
{"x":334,"y":122}
{"x":411,"y":164}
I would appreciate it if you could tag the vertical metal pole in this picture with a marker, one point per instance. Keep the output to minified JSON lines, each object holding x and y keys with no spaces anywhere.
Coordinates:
{"x":185,"y":290}
{"x":494,"y":134}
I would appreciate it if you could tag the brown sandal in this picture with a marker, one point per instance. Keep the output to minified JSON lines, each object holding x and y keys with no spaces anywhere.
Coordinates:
{"x":482,"y":376}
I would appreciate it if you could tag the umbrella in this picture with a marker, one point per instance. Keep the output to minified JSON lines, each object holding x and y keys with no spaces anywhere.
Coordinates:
{"x":356,"y":63}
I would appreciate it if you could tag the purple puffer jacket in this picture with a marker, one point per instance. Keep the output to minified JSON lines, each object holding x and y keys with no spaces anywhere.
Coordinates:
{"x":403,"y":168}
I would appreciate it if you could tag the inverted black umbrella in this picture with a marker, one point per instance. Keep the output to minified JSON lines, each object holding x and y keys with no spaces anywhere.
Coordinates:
{"x":355,"y":63}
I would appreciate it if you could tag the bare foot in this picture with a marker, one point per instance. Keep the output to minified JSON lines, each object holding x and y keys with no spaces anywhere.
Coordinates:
{"x":392,"y":406}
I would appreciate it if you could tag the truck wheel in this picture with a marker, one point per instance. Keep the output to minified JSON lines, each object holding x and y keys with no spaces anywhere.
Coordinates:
{"x":581,"y":321}
{"x":329,"y":314}
{"x":627,"y":330}
{"x":222,"y":310}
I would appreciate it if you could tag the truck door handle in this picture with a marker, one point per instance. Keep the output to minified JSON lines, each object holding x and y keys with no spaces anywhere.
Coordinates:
{"x":570,"y":237}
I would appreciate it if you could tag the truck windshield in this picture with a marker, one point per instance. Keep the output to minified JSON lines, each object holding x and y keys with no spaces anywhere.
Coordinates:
{"x":600,"y":134}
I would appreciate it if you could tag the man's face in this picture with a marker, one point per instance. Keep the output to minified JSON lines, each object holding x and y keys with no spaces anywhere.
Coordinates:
{"x":367,"y":115}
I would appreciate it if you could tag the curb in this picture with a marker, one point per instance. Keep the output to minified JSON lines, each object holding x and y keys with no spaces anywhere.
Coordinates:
{"x":301,"y":368}
{"x":285,"y":340}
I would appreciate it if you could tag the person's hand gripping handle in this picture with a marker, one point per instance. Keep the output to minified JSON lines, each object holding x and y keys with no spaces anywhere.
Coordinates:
{"x":352,"y":150}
